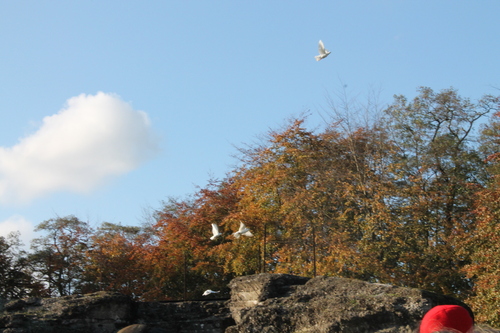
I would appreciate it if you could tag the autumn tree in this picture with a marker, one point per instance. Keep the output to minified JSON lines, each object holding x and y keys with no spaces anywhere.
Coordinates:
{"x":361,"y":184}
{"x":313,"y":197}
{"x":389,"y":201}
{"x":272,"y":180}
{"x":409,"y":198}
{"x":115,"y":260}
{"x":186,"y":261}
{"x":59,"y":255}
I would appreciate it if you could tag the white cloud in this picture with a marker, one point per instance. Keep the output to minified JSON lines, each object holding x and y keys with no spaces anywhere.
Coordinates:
{"x":18,"y":223}
{"x":92,"y":139}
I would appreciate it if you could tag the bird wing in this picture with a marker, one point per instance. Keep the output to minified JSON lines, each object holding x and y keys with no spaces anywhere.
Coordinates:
{"x":243,"y":231}
{"x":243,"y":228}
{"x":215,"y":229}
{"x":321,"y":47}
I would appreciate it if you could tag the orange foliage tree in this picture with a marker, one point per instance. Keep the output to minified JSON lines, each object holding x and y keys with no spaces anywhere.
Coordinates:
{"x":186,"y":261}
{"x":313,"y":195}
{"x":116,"y":260}
{"x":407,"y":199}
{"x":387,"y":202}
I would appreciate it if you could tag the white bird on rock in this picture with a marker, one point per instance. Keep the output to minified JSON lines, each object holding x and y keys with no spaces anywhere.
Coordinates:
{"x":323,"y":53}
{"x":215,"y":231}
{"x":208,"y":292}
{"x":243,"y":231}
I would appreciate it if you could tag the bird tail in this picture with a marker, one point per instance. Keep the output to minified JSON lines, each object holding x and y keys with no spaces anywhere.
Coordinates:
{"x":236,"y":235}
{"x":318,"y":57}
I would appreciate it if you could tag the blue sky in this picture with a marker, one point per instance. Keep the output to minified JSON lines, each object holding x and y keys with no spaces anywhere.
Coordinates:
{"x":110,"y":107}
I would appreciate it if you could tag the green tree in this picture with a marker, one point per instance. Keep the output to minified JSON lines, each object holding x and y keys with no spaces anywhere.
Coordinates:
{"x":483,"y":246}
{"x":59,"y":256}
{"x":435,"y":166}
{"x":16,"y":280}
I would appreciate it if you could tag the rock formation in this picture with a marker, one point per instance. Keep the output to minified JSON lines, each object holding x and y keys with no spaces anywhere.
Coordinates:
{"x":263,"y":303}
{"x":108,"y":312}
{"x":98,"y":312}
{"x":283,"y":303}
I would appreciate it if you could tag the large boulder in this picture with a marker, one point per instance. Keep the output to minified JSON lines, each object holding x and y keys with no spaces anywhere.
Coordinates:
{"x":109,"y":312}
{"x":268,"y":303}
{"x":97,"y":312}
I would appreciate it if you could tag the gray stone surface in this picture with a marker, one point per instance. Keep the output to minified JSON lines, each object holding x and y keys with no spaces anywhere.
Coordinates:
{"x":282,"y":303}
{"x":98,"y":312}
{"x":109,"y":312}
{"x":263,"y":303}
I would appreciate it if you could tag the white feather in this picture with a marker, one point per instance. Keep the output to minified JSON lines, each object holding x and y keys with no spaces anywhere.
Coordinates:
{"x":323,"y":53}
{"x":243,"y":231}
{"x":208,"y":292}
{"x":215,"y":231}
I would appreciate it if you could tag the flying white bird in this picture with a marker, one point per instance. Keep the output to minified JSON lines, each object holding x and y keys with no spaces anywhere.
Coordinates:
{"x":215,"y":231}
{"x":323,"y":53}
{"x":243,"y":231}
{"x":208,"y":292}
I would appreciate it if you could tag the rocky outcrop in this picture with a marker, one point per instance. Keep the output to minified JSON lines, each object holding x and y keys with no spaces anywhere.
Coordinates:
{"x":263,"y":303}
{"x":108,"y":312}
{"x":282,"y":303}
{"x":99,"y":312}
{"x":186,"y":317}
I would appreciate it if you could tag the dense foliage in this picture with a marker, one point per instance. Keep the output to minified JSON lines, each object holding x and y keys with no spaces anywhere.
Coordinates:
{"x":411,"y":198}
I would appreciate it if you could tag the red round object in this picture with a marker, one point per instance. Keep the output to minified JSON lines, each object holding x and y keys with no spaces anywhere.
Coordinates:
{"x":443,"y":317}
